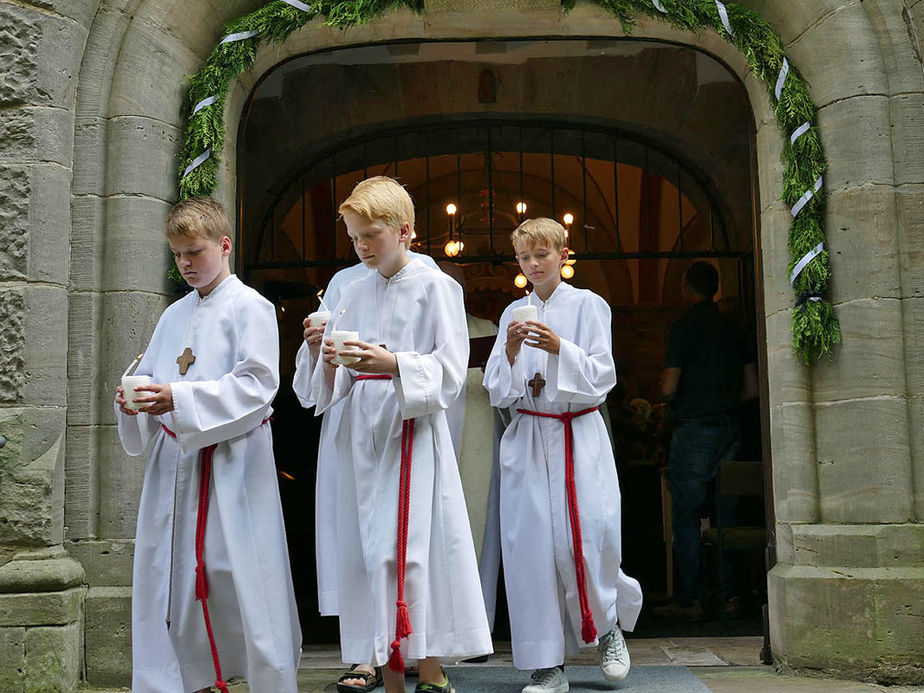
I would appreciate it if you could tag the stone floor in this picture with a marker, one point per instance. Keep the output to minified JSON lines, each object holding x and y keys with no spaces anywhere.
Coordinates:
{"x":724,"y":665}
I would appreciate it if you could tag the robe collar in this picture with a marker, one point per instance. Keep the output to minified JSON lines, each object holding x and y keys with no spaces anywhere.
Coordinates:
{"x":227,"y":281}
{"x":561,"y":290}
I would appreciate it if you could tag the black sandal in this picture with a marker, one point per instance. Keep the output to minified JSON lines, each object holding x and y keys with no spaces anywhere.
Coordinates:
{"x":372,"y":680}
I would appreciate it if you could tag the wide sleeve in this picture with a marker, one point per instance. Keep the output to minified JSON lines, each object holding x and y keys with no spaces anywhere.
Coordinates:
{"x":305,"y":365}
{"x":504,"y":383}
{"x":428,"y":382}
{"x":211,"y":411}
{"x":583,"y":373}
{"x":135,"y":432}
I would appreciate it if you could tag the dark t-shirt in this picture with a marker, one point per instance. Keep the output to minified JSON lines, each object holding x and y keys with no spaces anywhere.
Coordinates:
{"x":710,"y":354}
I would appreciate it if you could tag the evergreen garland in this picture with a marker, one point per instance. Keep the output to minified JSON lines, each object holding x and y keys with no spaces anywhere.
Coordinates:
{"x":815,"y":327}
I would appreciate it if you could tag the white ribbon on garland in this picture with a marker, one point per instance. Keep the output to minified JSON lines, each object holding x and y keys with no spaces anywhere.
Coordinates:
{"x":723,"y":15}
{"x":809,"y":194}
{"x":801,"y":265}
{"x":204,"y":103}
{"x":799,"y":131}
{"x":781,"y":80}
{"x":299,"y":5}
{"x":239,"y":36}
{"x":198,"y":161}
{"x":658,"y":6}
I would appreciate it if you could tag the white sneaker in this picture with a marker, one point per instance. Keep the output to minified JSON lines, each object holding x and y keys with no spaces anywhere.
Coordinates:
{"x":614,"y":655}
{"x":551,"y":680}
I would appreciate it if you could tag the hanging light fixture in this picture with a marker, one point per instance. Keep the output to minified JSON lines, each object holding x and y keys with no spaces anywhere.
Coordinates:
{"x":568,"y":219}
{"x":521,"y":210}
{"x":520,"y":281}
{"x":567,"y":272}
{"x":452,"y":247}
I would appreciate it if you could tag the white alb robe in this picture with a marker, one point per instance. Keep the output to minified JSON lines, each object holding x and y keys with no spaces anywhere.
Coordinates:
{"x":223,"y":398}
{"x":542,"y":594}
{"x":325,"y":509}
{"x":418,"y":314}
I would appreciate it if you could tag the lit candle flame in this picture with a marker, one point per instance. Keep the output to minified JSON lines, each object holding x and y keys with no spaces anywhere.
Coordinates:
{"x":337,"y":321}
{"x":323,"y":305}
{"x":529,"y":298}
{"x":132,"y":364}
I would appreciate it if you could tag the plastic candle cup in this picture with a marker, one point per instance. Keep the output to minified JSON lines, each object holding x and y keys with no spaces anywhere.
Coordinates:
{"x":129,"y":383}
{"x":318,"y":318}
{"x":339,"y":337}
{"x":527,"y":312}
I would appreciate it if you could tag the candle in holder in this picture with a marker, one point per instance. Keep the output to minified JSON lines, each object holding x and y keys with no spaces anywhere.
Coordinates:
{"x":129,"y":383}
{"x":318,"y":318}
{"x":339,"y":337}
{"x":527,"y":312}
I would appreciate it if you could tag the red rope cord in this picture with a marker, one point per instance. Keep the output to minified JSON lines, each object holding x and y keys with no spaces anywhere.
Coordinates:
{"x":588,"y":629}
{"x":402,"y":619}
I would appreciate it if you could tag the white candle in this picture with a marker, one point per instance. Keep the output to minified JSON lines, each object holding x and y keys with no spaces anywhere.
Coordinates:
{"x":323,"y":305}
{"x":133,"y":364}
{"x":339,"y":337}
{"x":527,"y":312}
{"x":129,"y":383}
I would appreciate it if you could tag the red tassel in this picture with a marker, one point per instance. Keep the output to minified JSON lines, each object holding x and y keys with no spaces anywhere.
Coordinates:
{"x":202,"y":585}
{"x":588,"y":629}
{"x":221,"y":686}
{"x":396,"y":661}
{"x":403,"y":627}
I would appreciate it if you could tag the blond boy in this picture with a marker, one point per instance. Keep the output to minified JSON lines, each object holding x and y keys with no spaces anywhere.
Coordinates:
{"x":408,"y":580}
{"x":212,"y":594}
{"x":559,"y":494}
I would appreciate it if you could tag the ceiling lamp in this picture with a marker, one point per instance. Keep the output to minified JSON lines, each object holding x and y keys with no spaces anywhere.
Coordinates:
{"x":567,"y":272}
{"x":520,"y":281}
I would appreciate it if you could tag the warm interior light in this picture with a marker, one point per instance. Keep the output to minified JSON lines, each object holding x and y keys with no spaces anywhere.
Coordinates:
{"x":521,"y":208}
{"x":567,"y":272}
{"x":451,"y":209}
{"x":520,"y":281}
{"x":451,"y":249}
{"x":413,"y":235}
{"x":568,"y":218}
{"x":570,"y":261}
{"x":460,"y":246}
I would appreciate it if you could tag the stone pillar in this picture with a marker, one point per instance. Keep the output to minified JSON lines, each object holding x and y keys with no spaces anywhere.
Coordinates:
{"x":41,"y":588}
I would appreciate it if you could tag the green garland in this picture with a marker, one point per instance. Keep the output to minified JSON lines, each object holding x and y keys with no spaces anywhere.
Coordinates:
{"x":815,"y":327}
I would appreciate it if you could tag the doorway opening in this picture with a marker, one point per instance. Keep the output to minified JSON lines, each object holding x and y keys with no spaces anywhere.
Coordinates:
{"x":639,"y":209}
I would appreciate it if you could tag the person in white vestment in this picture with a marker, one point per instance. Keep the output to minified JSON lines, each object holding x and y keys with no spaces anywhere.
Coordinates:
{"x":325,"y":509}
{"x":559,"y":492}
{"x":212,"y":594}
{"x":407,"y":577}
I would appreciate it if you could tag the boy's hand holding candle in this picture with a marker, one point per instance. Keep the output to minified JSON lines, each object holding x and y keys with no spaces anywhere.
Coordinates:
{"x":542,"y":337}
{"x":372,"y":358}
{"x":155,"y":404}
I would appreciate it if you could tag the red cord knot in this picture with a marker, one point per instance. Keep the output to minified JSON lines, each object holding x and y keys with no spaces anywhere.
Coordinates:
{"x":404,"y":621}
{"x":221,"y":686}
{"x":395,"y":661}
{"x":588,"y":629}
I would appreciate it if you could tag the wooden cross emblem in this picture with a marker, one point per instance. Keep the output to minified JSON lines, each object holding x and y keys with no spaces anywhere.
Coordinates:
{"x":185,"y":360}
{"x":537,"y":383}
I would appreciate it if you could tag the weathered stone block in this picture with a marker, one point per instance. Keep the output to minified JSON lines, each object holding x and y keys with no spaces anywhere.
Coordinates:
{"x":770,"y":166}
{"x":135,"y":230}
{"x":15,"y":196}
{"x":45,"y":360}
{"x":54,"y":655}
{"x":12,"y":659}
{"x":791,"y":20}
{"x":83,"y":357}
{"x":872,"y":345}
{"x":109,"y":636}
{"x":81,"y":507}
{"x":149,"y":79}
{"x":108,"y":563}
{"x":859,"y":622}
{"x":858,"y":546}
{"x":864,"y":471}
{"x":44,"y":570}
{"x":774,"y":234}
{"x":790,"y":381}
{"x":901,"y":49}
{"x":910,"y":212}
{"x":907,"y":113}
{"x":795,"y":481}
{"x":120,"y":479}
{"x":80,"y":10}
{"x":37,"y":134}
{"x":19,"y":41}
{"x":142,"y":158}
{"x":916,"y":423}
{"x":41,"y":608}
{"x":855,"y":131}
{"x":848,"y":39}
{"x":12,"y":345}
{"x":89,"y":157}
{"x":50,"y":224}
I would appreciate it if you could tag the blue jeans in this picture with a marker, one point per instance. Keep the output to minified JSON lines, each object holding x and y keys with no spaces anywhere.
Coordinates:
{"x":696,"y":451}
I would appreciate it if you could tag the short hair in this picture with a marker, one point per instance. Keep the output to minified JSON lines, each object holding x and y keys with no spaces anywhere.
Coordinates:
{"x":539,"y":231}
{"x":381,"y":198}
{"x":703,"y":279}
{"x":200,"y":217}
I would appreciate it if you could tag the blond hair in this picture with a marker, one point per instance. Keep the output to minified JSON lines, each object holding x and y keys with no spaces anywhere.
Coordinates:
{"x":540,"y":231}
{"x":200,"y":217}
{"x":384,"y":198}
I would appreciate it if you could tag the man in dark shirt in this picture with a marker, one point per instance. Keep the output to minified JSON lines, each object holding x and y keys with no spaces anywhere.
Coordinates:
{"x":706,"y":375}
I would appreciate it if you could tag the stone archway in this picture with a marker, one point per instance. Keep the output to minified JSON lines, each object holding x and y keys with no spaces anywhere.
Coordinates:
{"x":119,"y":68}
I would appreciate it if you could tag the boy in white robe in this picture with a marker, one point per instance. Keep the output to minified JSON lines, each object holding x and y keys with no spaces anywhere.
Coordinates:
{"x":559,"y":493}
{"x":408,"y":580}
{"x":212,"y":594}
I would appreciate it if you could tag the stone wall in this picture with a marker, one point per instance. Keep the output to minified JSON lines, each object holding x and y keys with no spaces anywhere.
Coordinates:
{"x":89,"y":129}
